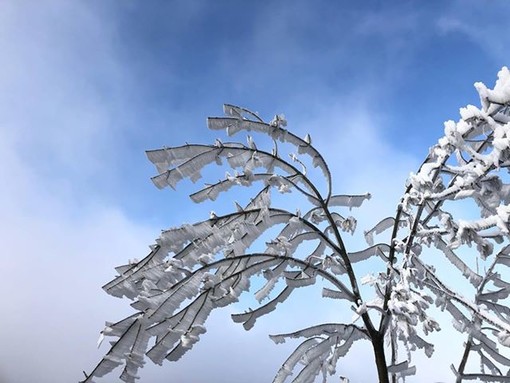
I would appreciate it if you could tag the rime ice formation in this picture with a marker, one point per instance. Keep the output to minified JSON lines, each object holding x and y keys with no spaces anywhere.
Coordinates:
{"x":195,"y":268}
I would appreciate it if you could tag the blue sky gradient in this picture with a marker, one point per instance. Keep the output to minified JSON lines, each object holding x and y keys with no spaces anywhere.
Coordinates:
{"x":87,"y":86}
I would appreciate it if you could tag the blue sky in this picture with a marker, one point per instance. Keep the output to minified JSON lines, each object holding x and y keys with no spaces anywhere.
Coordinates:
{"x":87,"y":86}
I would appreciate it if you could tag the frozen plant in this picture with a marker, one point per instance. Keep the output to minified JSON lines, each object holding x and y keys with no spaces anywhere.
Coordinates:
{"x":195,"y":268}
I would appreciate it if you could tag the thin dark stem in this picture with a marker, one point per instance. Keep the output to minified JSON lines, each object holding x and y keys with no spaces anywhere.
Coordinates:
{"x":469,"y":341}
{"x":464,"y":359}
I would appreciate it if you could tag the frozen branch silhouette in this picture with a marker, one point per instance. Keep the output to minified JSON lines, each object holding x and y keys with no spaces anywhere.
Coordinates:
{"x":195,"y":268}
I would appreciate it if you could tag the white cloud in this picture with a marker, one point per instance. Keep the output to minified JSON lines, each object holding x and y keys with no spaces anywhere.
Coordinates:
{"x":55,"y":258}
{"x":56,"y":58}
{"x":59,"y":242}
{"x":483,"y":23}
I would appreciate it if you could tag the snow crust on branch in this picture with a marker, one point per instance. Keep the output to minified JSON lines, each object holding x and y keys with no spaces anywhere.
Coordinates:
{"x":471,"y":162}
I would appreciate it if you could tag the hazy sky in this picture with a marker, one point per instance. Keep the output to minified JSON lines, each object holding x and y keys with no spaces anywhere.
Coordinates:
{"x":87,"y":86}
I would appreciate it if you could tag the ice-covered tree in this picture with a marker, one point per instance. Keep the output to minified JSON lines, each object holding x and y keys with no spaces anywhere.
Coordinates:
{"x":456,"y":205}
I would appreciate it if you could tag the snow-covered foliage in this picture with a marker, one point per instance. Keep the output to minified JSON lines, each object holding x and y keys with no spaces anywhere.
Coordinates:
{"x":195,"y":268}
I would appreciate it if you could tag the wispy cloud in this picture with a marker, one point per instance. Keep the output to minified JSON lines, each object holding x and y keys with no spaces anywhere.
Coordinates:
{"x":482,"y":23}
{"x":59,"y":240}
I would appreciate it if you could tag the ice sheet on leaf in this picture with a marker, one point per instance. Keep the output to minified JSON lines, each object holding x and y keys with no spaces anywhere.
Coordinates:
{"x":128,"y":341}
{"x":313,"y":358}
{"x":239,"y":112}
{"x":265,"y":290}
{"x":342,"y":330}
{"x":502,"y":311}
{"x":381,"y":226}
{"x":336,"y":294}
{"x":135,"y":358}
{"x":169,"y":331}
{"x":376,"y":250}
{"x":124,"y":284}
{"x":282,"y":184}
{"x":318,"y":351}
{"x":419,"y":342}
{"x":164,"y":303}
{"x":289,"y":246}
{"x":491,"y":348}
{"x":318,"y":253}
{"x":487,"y":378}
{"x":324,"y":347}
{"x":234,"y":232}
{"x":238,"y":156}
{"x":249,"y":318}
{"x":212,"y":191}
{"x":399,"y":367}
{"x":191,"y":167}
{"x":486,"y":362}
{"x":235,"y":124}
{"x":504,"y":259}
{"x":294,"y":358}
{"x":300,"y":278}
{"x":177,"y":331}
{"x":494,"y":296}
{"x":167,"y":157}
{"x":472,"y":277}
{"x":349,"y":201}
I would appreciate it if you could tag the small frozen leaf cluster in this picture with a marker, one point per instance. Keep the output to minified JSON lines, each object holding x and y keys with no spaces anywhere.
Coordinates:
{"x":315,"y":352}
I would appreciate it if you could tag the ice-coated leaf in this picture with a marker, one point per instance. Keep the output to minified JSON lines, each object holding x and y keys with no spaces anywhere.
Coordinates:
{"x":237,"y":156}
{"x":317,"y":348}
{"x":211,"y":192}
{"x":344,"y":331}
{"x":349,"y":201}
{"x":456,"y":313}
{"x":376,"y":250}
{"x":399,"y":367}
{"x":502,"y":311}
{"x":495,"y":295}
{"x":383,"y":225}
{"x":117,"y":353}
{"x":484,"y":378}
{"x":239,"y":112}
{"x":419,"y":342}
{"x":248,"y":319}
{"x":299,"y":280}
{"x":124,"y":284}
{"x":166,"y":157}
{"x":135,"y":358}
{"x":489,"y":364}
{"x":491,"y":348}
{"x":288,"y":366}
{"x":504,"y":260}
{"x":472,"y":277}
{"x":265,"y":290}
{"x":176,"y":332}
{"x":313,"y":358}
{"x":235,"y":124}
{"x":335,"y":294}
